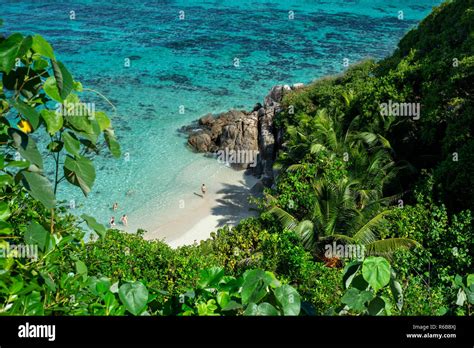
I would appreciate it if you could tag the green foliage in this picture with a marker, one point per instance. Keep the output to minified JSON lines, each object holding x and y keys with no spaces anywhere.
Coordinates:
{"x":446,"y":240}
{"x":34,"y":80}
{"x":465,"y":295}
{"x":341,"y":168}
{"x":124,"y":256}
{"x":42,"y":272}
{"x":368,"y":285}
{"x":241,"y":247}
{"x":256,"y":292}
{"x":134,"y":296}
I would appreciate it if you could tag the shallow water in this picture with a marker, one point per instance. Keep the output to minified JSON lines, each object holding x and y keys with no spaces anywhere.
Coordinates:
{"x":190,"y":64}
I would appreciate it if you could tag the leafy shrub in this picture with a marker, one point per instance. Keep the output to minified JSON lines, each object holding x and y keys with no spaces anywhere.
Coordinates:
{"x":124,"y":256}
{"x":367,"y":284}
{"x":255,"y":293}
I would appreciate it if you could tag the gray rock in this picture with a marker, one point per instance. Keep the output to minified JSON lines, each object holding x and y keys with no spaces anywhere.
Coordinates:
{"x":235,"y":132}
{"x":242,"y":132}
{"x":206,"y":120}
{"x":266,"y":142}
{"x":201,"y":141}
{"x":274,"y":97}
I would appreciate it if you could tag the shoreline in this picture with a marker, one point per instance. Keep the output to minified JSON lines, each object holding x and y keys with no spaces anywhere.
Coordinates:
{"x":225,"y":203}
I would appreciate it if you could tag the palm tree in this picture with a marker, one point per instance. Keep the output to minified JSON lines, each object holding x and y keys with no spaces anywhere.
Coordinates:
{"x":337,"y":215}
{"x":354,"y":208}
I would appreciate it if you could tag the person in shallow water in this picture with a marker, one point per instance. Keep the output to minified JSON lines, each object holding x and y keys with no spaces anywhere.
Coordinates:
{"x":115,"y":206}
{"x":124,"y":219}
{"x":203,"y":190}
{"x":112,"y":221}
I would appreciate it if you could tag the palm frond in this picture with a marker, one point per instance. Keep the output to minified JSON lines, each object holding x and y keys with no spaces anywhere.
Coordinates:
{"x":367,"y":233}
{"x":386,"y":247}
{"x":286,"y":219}
{"x":296,"y":166}
{"x":316,"y":148}
{"x":305,"y":230}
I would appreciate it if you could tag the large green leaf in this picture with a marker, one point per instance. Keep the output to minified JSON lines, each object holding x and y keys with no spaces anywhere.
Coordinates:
{"x":223,"y":298}
{"x":470,"y":293}
{"x":36,"y":234}
{"x":256,"y":282}
{"x":376,"y":271}
{"x":112,"y":143}
{"x":64,"y":80}
{"x":6,"y":180}
{"x":41,"y":46}
{"x":92,"y":223}
{"x":81,"y":123}
{"x":134,"y":296}
{"x":356,"y":299}
{"x":461,"y":298}
{"x":51,"y":89}
{"x":53,"y":120}
{"x":358,"y":282}
{"x":376,"y":306}
{"x":470,"y":279}
{"x":103,"y":120}
{"x":28,"y":112}
{"x":4,"y":211}
{"x":71,"y":143}
{"x":231,"y":306}
{"x":5,"y":228}
{"x":350,"y":272}
{"x":80,"y":172}
{"x":32,"y":304}
{"x":289,"y":299}
{"x":40,"y":64}
{"x":26,"y":146}
{"x":39,"y":188}
{"x":210,"y":277}
{"x":81,"y":269}
{"x":263,"y":309}
{"x":15,"y":46}
{"x":397,"y":293}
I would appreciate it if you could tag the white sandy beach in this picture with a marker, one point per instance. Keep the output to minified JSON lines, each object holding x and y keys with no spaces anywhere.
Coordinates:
{"x":195,"y":217}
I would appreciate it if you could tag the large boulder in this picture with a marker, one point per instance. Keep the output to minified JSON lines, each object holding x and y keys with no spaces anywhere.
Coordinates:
{"x":200,"y":140}
{"x":243,"y":134}
{"x":233,"y":134}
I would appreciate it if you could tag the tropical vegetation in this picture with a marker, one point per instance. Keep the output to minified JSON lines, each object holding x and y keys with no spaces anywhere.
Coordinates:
{"x":400,"y":188}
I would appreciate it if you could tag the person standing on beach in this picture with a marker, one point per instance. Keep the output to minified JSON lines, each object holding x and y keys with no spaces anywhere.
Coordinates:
{"x":203,"y":190}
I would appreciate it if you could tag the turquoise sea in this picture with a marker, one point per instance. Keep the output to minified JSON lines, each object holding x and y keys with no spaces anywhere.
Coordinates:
{"x":189,"y":64}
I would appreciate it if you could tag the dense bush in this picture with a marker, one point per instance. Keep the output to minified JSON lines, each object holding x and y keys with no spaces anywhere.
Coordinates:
{"x":124,"y":256}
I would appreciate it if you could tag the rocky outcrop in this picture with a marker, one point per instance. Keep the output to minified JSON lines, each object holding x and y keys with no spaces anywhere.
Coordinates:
{"x":233,"y":132}
{"x":243,"y":139}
